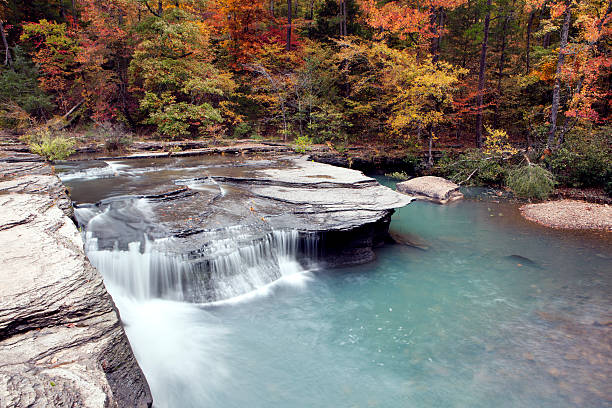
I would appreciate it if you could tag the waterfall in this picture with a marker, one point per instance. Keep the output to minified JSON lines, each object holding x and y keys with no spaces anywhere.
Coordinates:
{"x":231,"y":262}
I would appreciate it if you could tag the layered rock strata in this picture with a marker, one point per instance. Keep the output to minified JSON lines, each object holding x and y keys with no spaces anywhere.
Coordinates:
{"x":61,"y":340}
{"x":200,"y":201}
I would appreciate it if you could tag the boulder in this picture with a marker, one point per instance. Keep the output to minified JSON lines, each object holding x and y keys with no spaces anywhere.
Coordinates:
{"x":430,"y":188}
{"x":61,"y":340}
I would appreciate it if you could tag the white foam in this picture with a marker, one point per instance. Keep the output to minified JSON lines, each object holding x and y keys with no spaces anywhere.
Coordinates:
{"x":174,"y":343}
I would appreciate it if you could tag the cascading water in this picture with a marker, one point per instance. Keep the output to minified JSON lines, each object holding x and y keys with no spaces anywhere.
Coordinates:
{"x":415,"y":328}
{"x":232,"y":262}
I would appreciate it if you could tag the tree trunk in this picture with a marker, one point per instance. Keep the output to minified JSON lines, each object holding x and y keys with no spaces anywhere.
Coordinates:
{"x":160,"y":8}
{"x":272,"y":8}
{"x":481,"y":74}
{"x":528,"y":46}
{"x":546,"y":40}
{"x":437,"y":20}
{"x":500,"y":71}
{"x":8,"y":58}
{"x":429,"y":153}
{"x":554,"y":110}
{"x":288,"y":47}
{"x":344,"y":17}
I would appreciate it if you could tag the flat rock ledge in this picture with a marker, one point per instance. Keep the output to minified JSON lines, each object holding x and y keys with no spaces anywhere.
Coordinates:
{"x":431,"y":188}
{"x":61,"y":340}
{"x":570,"y":214}
{"x":344,"y":211}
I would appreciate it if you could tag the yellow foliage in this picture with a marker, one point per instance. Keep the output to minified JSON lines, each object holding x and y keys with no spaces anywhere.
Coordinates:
{"x":496,"y":142}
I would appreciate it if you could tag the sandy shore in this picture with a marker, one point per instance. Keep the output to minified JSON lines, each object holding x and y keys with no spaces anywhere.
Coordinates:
{"x":570,"y":214}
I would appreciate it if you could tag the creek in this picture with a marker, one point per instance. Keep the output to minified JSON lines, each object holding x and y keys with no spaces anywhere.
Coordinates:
{"x":481,"y":309}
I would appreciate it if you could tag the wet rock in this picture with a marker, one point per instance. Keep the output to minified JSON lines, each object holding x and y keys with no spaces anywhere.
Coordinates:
{"x":406,"y":240}
{"x":61,"y":341}
{"x":347,"y":212}
{"x":523,"y":261}
{"x":430,"y":188}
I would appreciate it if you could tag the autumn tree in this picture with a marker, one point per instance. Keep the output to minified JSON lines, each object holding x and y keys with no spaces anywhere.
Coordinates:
{"x":243,"y":27}
{"x":579,"y":66}
{"x":181,"y":91}
{"x":56,"y":49}
{"x":420,"y":23}
{"x":482,"y":72}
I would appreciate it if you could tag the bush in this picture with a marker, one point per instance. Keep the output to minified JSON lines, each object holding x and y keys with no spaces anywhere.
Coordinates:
{"x":51,"y":147}
{"x":608,"y":183}
{"x":473,"y":167}
{"x":584,"y":160}
{"x":302,"y":144}
{"x":241,"y":130}
{"x":114,"y":136}
{"x":497,"y":143}
{"x":531,"y":181}
{"x":400,"y":175}
{"x":414,"y":164}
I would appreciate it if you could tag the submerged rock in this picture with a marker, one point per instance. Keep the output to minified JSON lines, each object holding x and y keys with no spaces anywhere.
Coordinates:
{"x":524,"y":261}
{"x":430,"y":188}
{"x":61,"y":341}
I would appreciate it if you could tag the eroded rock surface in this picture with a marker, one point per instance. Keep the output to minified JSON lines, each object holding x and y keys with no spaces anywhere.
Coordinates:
{"x":201,"y":200}
{"x":61,"y":341}
{"x":431,"y":188}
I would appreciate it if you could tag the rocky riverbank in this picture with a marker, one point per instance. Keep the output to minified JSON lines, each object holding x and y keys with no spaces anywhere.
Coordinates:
{"x":61,"y":340}
{"x":570,"y":214}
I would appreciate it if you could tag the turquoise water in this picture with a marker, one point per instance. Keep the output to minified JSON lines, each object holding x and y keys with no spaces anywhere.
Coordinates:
{"x":488,"y":310}
{"x":460,"y":324}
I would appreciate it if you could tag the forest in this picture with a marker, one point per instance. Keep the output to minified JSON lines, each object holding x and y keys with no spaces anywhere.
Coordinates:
{"x":501,"y":81}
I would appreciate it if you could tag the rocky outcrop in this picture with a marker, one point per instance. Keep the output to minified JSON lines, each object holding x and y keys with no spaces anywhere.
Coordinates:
{"x":61,"y":340}
{"x":430,"y":188}
{"x":347,"y":211}
{"x":199,"y":201}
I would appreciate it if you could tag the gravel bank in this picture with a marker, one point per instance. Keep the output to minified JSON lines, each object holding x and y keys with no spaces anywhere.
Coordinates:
{"x":570,"y":214}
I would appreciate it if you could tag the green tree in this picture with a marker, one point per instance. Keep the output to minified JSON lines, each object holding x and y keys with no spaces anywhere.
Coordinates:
{"x":19,"y":91}
{"x":173,"y":72}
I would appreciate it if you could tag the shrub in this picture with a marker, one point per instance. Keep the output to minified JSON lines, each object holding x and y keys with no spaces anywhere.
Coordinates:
{"x":174,"y":149}
{"x":584,"y":160}
{"x":608,"y":182}
{"x":115,"y":136}
{"x":241,"y":130}
{"x":414,"y":164}
{"x":302,"y":144}
{"x":473,"y":167}
{"x":496,"y":142}
{"x":531,"y":181}
{"x":51,"y":147}
{"x":12,"y":116}
{"x":400,"y":175}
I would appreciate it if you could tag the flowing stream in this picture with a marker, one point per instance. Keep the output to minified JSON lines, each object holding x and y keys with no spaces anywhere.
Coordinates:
{"x":483,"y":309}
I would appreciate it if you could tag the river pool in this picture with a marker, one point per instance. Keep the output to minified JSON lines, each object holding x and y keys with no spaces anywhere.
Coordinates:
{"x":485,"y":310}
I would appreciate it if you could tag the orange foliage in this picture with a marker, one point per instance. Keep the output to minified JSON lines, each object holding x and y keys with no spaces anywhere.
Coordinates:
{"x":246,"y":26}
{"x":407,"y":18}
